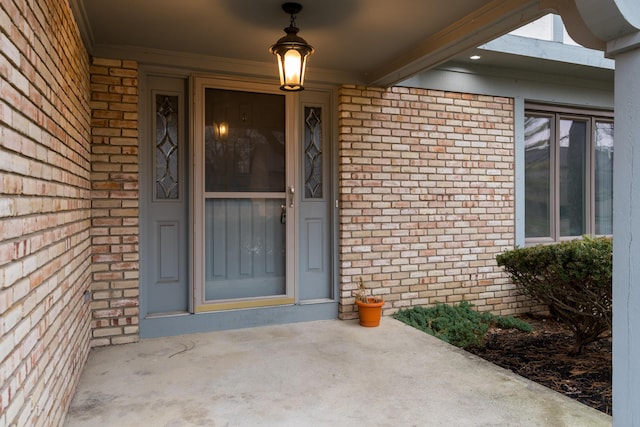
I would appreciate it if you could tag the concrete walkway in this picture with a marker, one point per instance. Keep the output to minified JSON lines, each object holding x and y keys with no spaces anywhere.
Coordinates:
{"x":327,"y":373}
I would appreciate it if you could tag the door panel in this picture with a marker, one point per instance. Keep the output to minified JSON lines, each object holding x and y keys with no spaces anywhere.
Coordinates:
{"x":315,"y":204}
{"x":168,"y":242}
{"x":164,"y":198}
{"x":245,"y":244}
{"x":314,"y":234}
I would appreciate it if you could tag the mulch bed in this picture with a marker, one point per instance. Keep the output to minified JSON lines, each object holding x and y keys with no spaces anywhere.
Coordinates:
{"x":542,"y":356}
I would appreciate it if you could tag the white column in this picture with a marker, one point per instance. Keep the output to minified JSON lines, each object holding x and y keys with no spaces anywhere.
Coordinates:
{"x":626,"y":240}
{"x":617,"y":24}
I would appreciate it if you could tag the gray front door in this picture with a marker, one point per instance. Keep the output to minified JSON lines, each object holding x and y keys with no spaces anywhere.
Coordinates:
{"x":237,"y":215}
{"x":245,"y":199}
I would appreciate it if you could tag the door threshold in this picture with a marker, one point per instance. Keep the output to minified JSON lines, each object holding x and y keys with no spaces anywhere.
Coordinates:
{"x":167,"y":314}
{"x":316,"y":301}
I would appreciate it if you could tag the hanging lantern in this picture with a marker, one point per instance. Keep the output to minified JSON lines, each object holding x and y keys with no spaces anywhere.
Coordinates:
{"x":292,"y":52}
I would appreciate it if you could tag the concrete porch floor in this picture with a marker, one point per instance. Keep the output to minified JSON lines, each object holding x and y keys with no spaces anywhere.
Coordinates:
{"x":325,"y":373}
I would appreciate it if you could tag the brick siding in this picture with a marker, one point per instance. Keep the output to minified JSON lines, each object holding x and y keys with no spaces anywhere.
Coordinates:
{"x":426,"y":183}
{"x":45,"y":247}
{"x":114,"y":201}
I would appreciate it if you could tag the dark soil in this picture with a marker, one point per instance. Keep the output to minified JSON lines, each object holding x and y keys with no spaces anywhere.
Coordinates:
{"x":542,"y":356}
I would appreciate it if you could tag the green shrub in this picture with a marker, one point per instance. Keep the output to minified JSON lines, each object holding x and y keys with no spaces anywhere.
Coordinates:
{"x":459,"y":325}
{"x":572,"y":278}
{"x":510,"y":322}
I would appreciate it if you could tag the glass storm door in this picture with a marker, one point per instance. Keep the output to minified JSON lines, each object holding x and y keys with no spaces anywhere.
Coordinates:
{"x":244,"y":204}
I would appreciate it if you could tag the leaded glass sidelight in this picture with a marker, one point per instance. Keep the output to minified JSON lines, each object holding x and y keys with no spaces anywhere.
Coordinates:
{"x":313,"y":152}
{"x":166,"y":169}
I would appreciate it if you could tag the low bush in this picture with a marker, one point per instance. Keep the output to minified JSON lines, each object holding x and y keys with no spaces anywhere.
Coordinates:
{"x":459,"y":325}
{"x":572,"y":278}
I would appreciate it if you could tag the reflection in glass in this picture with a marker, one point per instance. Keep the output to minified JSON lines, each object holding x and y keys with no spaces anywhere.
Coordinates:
{"x":573,"y":151}
{"x":537,"y":176}
{"x":244,"y":141}
{"x":604,"y":178}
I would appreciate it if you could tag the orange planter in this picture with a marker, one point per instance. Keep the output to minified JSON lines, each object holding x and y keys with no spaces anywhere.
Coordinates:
{"x":370,"y":312}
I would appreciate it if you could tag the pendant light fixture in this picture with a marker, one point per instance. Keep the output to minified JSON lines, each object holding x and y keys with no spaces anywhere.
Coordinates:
{"x":292,"y":52}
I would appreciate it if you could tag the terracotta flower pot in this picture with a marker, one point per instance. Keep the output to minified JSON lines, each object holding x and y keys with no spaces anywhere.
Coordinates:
{"x":370,"y":312}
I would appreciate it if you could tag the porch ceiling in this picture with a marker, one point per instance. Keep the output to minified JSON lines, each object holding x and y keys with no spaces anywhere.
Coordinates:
{"x":357,"y":41}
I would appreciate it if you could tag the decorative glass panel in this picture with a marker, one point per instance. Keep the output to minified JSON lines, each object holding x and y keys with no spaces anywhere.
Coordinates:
{"x":313,"y":152}
{"x":537,"y":176}
{"x":572,"y":178}
{"x":604,"y":178}
{"x":166,"y":173}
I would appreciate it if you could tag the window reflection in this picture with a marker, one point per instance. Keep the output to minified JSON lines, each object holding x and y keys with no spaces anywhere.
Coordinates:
{"x":573,"y":163}
{"x":604,"y":178}
{"x":244,"y":141}
{"x":537,"y":177}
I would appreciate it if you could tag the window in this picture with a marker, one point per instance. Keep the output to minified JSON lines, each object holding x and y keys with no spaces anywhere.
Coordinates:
{"x":568,"y":173}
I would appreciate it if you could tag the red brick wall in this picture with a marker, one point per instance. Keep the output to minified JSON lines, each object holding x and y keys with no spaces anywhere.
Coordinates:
{"x":426,"y":184}
{"x":45,"y":251}
{"x":114,"y":201}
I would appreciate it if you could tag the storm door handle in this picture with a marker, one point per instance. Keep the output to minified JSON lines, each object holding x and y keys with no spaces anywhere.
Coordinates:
{"x":291,"y":192}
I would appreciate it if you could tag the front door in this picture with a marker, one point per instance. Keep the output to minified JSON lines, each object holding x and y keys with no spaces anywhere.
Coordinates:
{"x":244,"y":211}
{"x":244,"y":216}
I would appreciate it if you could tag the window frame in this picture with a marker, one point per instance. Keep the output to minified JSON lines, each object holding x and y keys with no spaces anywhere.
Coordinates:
{"x":557,"y":113}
